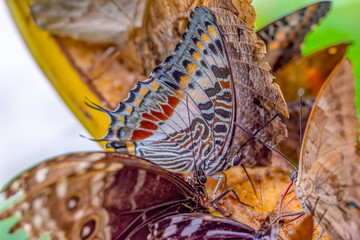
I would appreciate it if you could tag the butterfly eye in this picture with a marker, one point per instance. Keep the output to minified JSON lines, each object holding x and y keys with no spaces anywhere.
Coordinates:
{"x":88,"y":229}
{"x":293,"y":176}
{"x":353,"y":204}
{"x":235,"y":161}
{"x":203,"y":179}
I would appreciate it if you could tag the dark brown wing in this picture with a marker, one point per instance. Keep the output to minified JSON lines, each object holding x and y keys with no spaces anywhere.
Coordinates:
{"x":99,"y":195}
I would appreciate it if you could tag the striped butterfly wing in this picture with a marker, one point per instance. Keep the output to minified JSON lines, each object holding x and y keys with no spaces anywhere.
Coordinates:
{"x":184,"y":110}
{"x":284,"y":37}
{"x":96,"y":196}
{"x":203,"y":226}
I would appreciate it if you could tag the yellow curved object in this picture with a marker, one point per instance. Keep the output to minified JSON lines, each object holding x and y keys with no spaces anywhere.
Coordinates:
{"x":58,"y":70}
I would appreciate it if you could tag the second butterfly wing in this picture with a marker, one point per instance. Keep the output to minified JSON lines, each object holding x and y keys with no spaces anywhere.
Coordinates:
{"x":327,"y":184}
{"x":96,"y":195}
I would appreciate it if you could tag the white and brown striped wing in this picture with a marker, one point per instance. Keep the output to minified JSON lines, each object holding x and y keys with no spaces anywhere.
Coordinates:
{"x":184,"y":111}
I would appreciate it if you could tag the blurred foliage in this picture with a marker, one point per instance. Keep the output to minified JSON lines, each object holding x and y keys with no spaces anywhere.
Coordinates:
{"x":6,"y":224}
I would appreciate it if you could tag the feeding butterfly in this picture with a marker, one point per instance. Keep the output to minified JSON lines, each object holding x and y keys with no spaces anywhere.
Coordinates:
{"x":184,"y":113}
{"x":327,"y":183}
{"x":184,"y":110}
{"x":100,"y":195}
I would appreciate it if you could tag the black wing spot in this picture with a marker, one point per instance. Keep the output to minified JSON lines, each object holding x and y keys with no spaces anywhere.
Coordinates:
{"x":177,"y":75}
{"x":213,"y":49}
{"x":219,"y":46}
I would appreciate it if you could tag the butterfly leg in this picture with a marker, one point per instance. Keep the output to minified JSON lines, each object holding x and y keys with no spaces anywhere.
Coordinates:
{"x":320,"y":235}
{"x":228,"y":191}
{"x":221,"y":179}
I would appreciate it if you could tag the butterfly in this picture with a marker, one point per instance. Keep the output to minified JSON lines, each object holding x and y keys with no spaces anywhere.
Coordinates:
{"x":327,"y":183}
{"x":97,"y":195}
{"x":284,"y":37}
{"x":182,"y":116}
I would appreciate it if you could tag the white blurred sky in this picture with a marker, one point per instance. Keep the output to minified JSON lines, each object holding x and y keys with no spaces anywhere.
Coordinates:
{"x":34,"y":122}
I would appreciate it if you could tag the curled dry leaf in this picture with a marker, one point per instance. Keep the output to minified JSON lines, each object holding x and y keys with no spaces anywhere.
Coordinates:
{"x":327,"y":183}
{"x":309,"y":72}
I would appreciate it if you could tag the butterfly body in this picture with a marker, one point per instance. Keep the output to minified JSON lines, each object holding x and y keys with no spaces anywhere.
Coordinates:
{"x":327,"y":184}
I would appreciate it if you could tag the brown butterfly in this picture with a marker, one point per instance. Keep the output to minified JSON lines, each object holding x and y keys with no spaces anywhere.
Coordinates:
{"x":327,"y":182}
{"x":97,"y":195}
{"x":102,"y":195}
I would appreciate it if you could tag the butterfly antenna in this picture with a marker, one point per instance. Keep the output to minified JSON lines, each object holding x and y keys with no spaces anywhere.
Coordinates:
{"x":300,"y":93}
{"x":269,"y":147}
{"x":248,"y":176}
{"x":292,"y":199}
{"x":256,"y":132}
{"x":297,"y":214}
